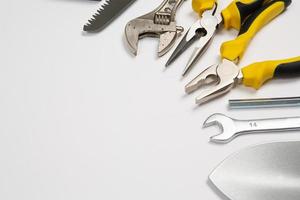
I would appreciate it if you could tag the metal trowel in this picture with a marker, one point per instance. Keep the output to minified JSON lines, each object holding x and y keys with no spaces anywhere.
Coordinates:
{"x":264,"y":172}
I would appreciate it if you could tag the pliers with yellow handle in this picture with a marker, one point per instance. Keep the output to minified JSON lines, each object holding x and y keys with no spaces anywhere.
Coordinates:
{"x":211,"y":20}
{"x":226,"y":75}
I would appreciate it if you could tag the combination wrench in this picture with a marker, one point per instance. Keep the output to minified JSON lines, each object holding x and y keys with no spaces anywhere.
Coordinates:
{"x":231,"y":128}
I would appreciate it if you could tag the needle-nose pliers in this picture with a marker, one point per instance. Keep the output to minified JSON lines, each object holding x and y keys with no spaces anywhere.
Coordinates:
{"x":211,"y":20}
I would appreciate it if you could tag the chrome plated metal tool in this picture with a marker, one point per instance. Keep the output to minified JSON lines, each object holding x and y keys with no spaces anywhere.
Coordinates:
{"x":231,"y":128}
{"x":158,"y":23}
{"x":263,"y":172}
{"x":264,"y":103}
{"x":108,"y":11}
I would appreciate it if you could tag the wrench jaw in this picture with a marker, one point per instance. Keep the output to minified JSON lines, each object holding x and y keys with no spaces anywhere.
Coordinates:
{"x":138,"y":28}
{"x":226,"y":124}
{"x":159,"y":23}
{"x":167,"y":40}
{"x":132,"y":34}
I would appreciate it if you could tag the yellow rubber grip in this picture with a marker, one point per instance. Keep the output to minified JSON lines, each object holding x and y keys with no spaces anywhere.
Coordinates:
{"x":233,"y":16}
{"x":199,"y":6}
{"x":234,"y":50}
{"x":256,"y":74}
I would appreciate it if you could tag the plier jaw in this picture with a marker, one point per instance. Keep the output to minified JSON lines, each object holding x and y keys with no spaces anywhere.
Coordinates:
{"x":207,"y":24}
{"x":221,"y":77}
{"x":203,"y":30}
{"x":227,"y":75}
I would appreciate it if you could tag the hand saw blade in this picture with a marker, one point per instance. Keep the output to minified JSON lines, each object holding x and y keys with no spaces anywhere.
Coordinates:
{"x":264,"y":172}
{"x":108,"y":10}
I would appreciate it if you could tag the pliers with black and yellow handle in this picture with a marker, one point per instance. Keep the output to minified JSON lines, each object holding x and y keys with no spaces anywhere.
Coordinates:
{"x":226,"y":75}
{"x":211,"y":20}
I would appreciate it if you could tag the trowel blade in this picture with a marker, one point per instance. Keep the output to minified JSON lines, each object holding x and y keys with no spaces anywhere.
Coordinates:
{"x":264,"y":172}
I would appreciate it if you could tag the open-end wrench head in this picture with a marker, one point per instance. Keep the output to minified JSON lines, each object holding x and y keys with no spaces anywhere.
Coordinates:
{"x":225,"y":123}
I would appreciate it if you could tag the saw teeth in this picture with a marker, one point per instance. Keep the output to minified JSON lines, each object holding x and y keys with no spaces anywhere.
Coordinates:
{"x":100,"y":9}
{"x":107,"y":11}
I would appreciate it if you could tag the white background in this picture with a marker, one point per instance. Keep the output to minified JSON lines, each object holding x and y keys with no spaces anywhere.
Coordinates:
{"x":80,"y":118}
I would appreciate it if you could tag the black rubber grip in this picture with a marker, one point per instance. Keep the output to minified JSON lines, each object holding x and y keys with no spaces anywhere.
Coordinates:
{"x":248,"y":22}
{"x":288,"y":70}
{"x":246,"y":9}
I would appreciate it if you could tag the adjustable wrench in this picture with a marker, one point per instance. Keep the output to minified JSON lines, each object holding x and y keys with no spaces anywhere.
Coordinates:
{"x":232,"y":128}
{"x":158,"y":23}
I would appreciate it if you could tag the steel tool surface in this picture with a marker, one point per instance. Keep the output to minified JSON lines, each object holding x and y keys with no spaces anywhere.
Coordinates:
{"x":226,"y":74}
{"x":264,"y":103}
{"x":264,"y":172}
{"x":158,"y":23}
{"x":109,"y":9}
{"x":211,"y":20}
{"x":231,"y":128}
